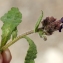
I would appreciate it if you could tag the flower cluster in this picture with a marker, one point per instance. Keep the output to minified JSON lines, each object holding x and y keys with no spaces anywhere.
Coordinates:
{"x":50,"y":24}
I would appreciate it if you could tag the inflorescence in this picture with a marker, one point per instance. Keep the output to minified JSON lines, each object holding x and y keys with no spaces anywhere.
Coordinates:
{"x":50,"y":24}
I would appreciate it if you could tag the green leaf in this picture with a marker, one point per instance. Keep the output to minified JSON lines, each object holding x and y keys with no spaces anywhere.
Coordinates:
{"x":10,"y":21}
{"x":14,"y":33}
{"x":38,"y":22}
{"x":32,"y":51}
{"x":42,"y":35}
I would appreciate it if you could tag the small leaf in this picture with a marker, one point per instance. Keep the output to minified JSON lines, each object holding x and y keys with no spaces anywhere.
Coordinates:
{"x":42,"y":35}
{"x":32,"y":51}
{"x":38,"y":22}
{"x":14,"y":33}
{"x":11,"y":20}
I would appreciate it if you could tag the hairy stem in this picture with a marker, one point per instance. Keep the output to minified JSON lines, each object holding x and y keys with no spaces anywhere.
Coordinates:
{"x":16,"y":39}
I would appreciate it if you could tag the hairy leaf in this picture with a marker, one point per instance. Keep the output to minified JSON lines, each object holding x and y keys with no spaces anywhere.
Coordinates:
{"x":14,"y":33}
{"x":38,"y":22}
{"x":32,"y":51}
{"x":10,"y":21}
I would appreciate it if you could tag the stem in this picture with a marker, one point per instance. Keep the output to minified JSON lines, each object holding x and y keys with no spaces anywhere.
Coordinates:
{"x":16,"y":39}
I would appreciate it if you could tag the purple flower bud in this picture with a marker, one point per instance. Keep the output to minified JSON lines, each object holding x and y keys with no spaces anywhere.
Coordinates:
{"x":50,"y":24}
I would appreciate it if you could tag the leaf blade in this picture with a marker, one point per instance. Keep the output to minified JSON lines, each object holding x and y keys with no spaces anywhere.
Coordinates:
{"x":14,"y":33}
{"x":11,"y":20}
{"x":32,"y":51}
{"x":38,"y":22}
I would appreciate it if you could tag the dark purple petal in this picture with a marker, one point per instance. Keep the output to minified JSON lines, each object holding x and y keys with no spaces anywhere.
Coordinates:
{"x":60,"y":28}
{"x":61,"y":20}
